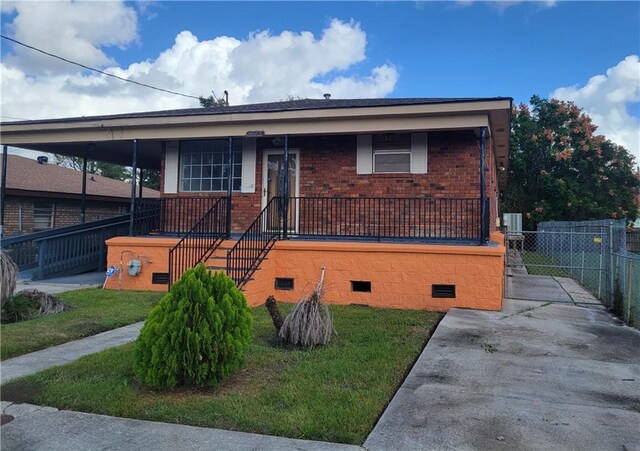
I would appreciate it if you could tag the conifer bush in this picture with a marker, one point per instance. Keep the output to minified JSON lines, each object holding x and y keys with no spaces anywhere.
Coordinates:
{"x":197,"y":334}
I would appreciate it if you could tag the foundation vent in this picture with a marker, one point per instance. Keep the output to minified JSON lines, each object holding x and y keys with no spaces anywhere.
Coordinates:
{"x":443,"y":291}
{"x":361,"y":286}
{"x":160,"y":278}
{"x":284,"y":283}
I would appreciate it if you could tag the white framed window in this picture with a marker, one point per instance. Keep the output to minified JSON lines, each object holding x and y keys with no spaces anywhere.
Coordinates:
{"x":203,"y":165}
{"x":392,"y":153}
{"x":43,"y":215}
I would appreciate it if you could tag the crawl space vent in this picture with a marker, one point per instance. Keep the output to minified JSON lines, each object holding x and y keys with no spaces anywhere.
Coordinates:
{"x":443,"y":291}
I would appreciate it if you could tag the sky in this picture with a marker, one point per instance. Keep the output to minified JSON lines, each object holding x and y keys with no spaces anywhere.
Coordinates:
{"x":587,"y":52}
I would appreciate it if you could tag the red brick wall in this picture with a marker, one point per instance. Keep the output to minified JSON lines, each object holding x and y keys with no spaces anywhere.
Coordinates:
{"x":328,"y":168}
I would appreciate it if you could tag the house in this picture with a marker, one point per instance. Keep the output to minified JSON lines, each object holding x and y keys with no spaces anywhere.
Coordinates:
{"x":396,"y":198}
{"x":41,"y":196}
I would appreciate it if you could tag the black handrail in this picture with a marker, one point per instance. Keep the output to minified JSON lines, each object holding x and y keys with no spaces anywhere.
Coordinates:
{"x":246,"y":254}
{"x":200,"y":242}
{"x":401,"y":218}
{"x":170,"y":215}
{"x":24,"y":249}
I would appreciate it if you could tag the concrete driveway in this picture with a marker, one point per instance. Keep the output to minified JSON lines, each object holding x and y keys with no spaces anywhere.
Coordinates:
{"x":535,"y":376}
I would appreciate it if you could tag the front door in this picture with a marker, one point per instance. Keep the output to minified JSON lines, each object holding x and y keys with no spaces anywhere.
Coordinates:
{"x":273,"y":181}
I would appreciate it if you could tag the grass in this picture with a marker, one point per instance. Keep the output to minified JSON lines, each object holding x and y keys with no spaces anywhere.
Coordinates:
{"x":93,"y":311}
{"x":333,"y":393}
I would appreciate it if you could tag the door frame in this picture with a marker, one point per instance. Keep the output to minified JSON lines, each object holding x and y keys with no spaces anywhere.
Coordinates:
{"x":265,"y":170}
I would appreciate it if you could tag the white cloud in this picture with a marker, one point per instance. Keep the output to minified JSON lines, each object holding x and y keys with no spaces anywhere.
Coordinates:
{"x":259,"y":68}
{"x":74,"y":30}
{"x":606,"y":98}
{"x":501,"y":5}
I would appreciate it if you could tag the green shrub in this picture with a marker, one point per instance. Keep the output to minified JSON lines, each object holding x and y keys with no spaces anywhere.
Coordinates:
{"x":197,"y":334}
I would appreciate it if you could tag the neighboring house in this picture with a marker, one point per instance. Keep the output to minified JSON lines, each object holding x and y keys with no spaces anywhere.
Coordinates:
{"x":383,"y":193}
{"x":41,"y":196}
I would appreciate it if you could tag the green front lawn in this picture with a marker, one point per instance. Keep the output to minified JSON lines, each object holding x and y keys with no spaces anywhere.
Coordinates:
{"x":333,"y":393}
{"x":93,"y":311}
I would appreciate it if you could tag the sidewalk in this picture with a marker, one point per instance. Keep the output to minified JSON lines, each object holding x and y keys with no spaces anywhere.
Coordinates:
{"x":60,"y":284}
{"x":67,"y":352}
{"x":46,"y":428}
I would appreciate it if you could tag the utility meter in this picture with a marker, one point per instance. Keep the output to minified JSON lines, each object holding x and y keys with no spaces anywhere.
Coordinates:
{"x":134,"y":267}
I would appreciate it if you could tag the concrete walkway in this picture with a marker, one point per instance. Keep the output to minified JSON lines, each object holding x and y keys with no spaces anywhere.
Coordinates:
{"x":67,"y":352}
{"x":60,"y":284}
{"x":46,"y":428}
{"x":535,"y":376}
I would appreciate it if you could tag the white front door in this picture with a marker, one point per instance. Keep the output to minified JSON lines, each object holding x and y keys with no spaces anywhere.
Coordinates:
{"x":273,"y":180}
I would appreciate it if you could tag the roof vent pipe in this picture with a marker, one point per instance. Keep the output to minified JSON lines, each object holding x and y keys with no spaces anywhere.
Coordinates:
{"x":327,"y":96}
{"x":43,"y":159}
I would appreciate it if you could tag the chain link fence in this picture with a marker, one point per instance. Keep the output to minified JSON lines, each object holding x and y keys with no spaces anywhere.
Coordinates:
{"x":626,"y":300}
{"x":594,"y":253}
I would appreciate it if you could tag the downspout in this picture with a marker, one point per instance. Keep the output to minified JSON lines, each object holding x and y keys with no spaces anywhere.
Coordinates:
{"x":4,"y":188}
{"x":285,"y":188}
{"x":229,"y":185}
{"x":484,"y":218}
{"x":134,"y":169}
{"x":83,"y":197}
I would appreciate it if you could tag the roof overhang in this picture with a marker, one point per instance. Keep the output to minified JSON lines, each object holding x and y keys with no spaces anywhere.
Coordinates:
{"x":110,"y":138}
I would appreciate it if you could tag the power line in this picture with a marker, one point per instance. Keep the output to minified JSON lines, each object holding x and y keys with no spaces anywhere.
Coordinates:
{"x":97,"y":70}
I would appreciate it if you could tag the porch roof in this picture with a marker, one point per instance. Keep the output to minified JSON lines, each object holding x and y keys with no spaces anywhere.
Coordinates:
{"x":108,"y":138}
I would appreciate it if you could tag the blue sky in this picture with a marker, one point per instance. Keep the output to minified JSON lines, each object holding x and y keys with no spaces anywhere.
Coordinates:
{"x":264,"y":51}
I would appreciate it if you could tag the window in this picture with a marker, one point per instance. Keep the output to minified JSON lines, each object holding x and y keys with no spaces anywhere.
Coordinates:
{"x":391,"y":162}
{"x":391,"y":153}
{"x":42,"y":216}
{"x":203,"y":165}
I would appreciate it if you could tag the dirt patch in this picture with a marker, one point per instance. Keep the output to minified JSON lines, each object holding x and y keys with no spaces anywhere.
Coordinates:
{"x":4,"y":419}
{"x":21,"y":392}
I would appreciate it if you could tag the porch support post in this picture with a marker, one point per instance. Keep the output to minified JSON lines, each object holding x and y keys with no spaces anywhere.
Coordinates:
{"x":229,"y":184}
{"x":4,"y":188}
{"x":83,"y":197}
{"x":484,"y":214}
{"x":140,"y":189}
{"x":285,"y":188}
{"x":134,"y":171}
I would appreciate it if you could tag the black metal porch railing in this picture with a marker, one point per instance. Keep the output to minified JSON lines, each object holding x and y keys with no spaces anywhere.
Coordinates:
{"x":170,"y":215}
{"x":66,"y":250}
{"x":251,"y":248}
{"x":200,"y":241}
{"x":378,"y":218}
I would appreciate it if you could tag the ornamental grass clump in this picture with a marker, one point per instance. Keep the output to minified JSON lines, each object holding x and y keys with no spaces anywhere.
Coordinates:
{"x":197,"y":334}
{"x":310,"y":323}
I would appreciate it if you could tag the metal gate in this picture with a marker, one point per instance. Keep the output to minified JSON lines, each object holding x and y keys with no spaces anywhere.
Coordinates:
{"x":540,"y":259}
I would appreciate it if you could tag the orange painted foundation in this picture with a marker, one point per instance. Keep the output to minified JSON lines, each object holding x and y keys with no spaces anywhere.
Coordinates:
{"x":401,"y":275}
{"x":151,"y":251}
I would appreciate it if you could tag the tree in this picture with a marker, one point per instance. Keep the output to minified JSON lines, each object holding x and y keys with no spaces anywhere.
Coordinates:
{"x":109,"y":170}
{"x":559,"y":169}
{"x":150,"y":178}
{"x":213,"y":100}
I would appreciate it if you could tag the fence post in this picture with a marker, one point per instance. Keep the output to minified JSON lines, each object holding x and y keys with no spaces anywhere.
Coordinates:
{"x":629,"y":282}
{"x":611,"y":275}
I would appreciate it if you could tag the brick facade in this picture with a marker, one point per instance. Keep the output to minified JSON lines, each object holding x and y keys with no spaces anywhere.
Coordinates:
{"x":18,"y":215}
{"x":328,"y":168}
